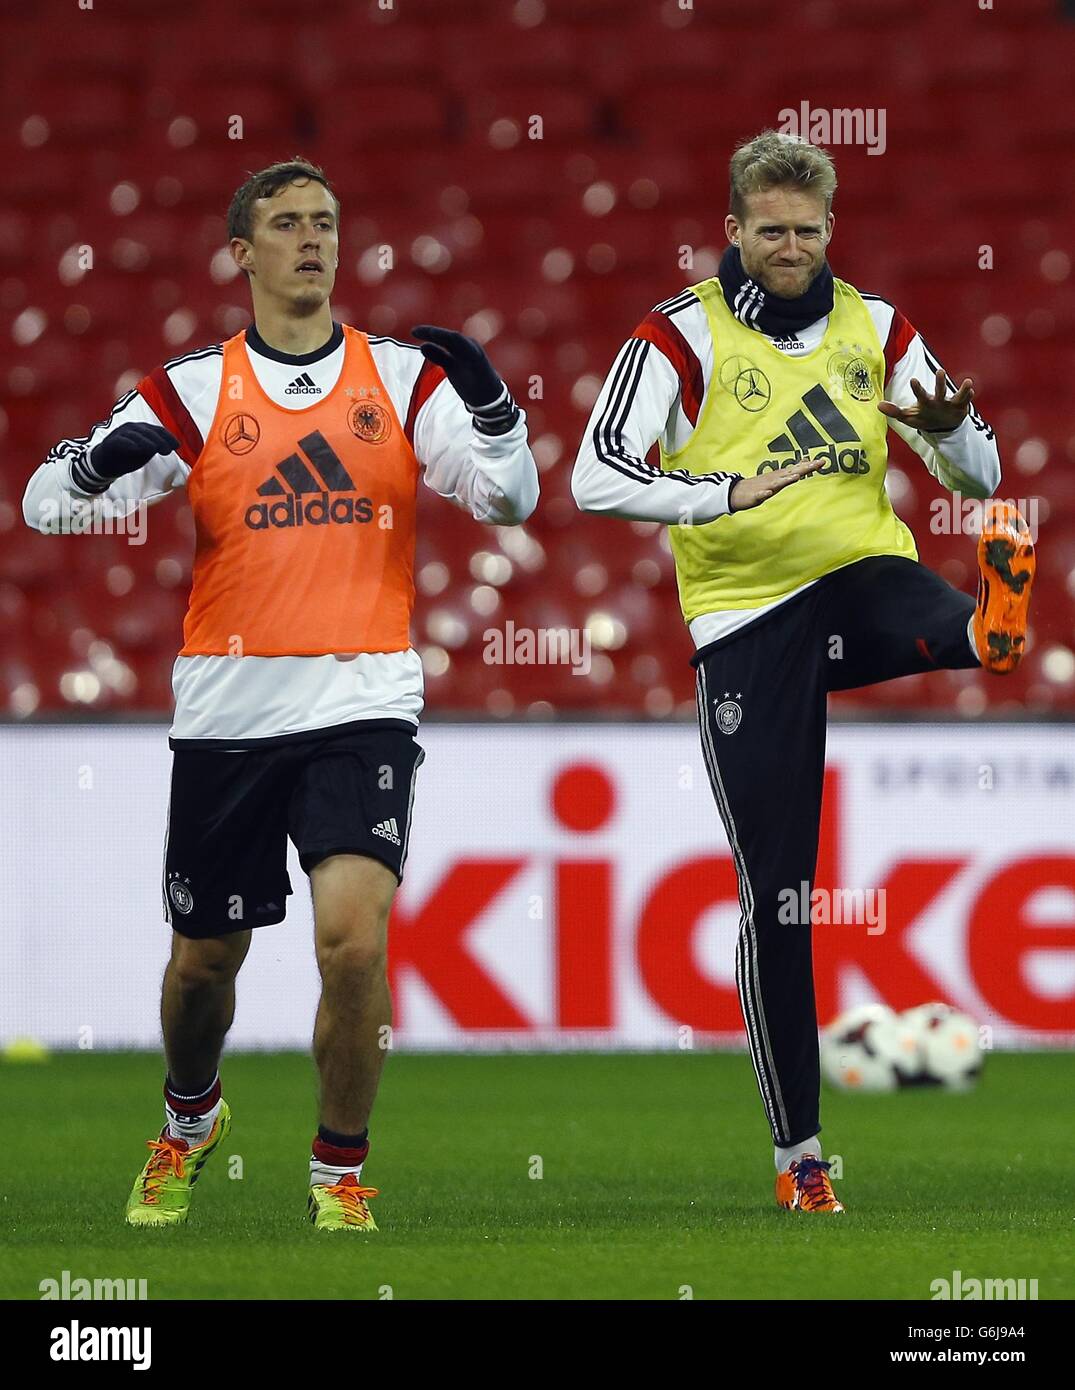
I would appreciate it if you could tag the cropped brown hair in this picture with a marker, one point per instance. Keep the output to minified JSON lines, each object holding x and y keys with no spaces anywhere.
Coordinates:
{"x":264,"y":184}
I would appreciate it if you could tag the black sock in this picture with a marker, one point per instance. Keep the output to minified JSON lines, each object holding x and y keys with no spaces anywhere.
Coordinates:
{"x":342,"y":1141}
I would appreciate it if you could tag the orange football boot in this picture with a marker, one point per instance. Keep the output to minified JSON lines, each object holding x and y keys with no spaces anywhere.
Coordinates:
{"x":1006,"y":565}
{"x":804,"y":1186}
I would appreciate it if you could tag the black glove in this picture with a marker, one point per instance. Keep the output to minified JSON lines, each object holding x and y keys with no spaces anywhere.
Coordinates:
{"x":125,"y":450}
{"x":464,"y":363}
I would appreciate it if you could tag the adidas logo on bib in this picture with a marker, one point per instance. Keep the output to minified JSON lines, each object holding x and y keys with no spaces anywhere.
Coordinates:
{"x":304,"y":496}
{"x":303,"y":385}
{"x":803,"y":438}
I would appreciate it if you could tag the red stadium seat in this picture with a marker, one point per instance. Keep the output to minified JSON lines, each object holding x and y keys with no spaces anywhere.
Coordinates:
{"x":556,"y":247}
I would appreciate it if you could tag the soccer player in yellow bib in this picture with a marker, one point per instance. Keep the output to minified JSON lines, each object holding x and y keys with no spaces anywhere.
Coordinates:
{"x":769,"y":390}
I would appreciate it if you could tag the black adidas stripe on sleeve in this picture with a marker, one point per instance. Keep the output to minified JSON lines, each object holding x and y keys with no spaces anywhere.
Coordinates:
{"x":608,"y":431}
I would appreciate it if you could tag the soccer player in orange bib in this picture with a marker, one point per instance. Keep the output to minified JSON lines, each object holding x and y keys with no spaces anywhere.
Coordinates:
{"x":301,"y":442}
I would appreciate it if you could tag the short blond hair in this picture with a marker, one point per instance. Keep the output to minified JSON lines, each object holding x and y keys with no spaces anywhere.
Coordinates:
{"x":776,"y":160}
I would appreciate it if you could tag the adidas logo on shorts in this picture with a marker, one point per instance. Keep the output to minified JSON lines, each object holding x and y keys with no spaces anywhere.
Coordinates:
{"x":388,"y":830}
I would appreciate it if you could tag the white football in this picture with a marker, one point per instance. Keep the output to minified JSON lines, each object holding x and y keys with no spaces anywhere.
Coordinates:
{"x":900,"y":1044}
{"x":869,"y":1048}
{"x":949,"y":1042}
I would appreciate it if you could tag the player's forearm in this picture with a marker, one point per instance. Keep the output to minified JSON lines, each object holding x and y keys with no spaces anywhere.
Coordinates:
{"x":51,"y":496}
{"x":478,"y":458}
{"x":620,"y":488}
{"x":966,"y":459}
{"x":500,"y":481}
{"x":110,"y":471}
{"x":611,"y":476}
{"x":56,"y":500}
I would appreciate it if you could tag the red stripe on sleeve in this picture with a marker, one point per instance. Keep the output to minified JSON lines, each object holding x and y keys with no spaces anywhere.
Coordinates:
{"x":900,"y":334}
{"x":659,"y":330}
{"x":165,"y":402}
{"x":427,"y":381}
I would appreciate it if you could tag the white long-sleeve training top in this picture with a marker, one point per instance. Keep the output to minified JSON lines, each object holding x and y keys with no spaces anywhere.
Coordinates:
{"x":254,"y":699}
{"x":653,"y":394}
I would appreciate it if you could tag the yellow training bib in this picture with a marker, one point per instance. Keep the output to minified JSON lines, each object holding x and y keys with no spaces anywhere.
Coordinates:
{"x":765,"y":409}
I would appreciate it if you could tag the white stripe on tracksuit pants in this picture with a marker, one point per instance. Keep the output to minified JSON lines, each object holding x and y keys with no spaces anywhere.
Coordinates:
{"x":746,"y":949}
{"x":766,"y":766}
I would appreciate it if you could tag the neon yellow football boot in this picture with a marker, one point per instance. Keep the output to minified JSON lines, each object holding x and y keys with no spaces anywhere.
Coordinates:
{"x":341,"y":1207}
{"x":161,"y":1192}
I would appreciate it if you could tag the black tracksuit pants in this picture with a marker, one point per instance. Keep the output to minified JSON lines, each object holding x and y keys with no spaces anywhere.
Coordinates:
{"x":873,"y":620}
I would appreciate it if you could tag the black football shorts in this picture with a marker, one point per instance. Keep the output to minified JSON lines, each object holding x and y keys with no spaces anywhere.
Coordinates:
{"x":230,"y":814}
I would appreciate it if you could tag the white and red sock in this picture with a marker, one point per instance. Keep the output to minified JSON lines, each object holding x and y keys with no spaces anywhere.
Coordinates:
{"x":191,"y":1116}
{"x":333,"y":1157}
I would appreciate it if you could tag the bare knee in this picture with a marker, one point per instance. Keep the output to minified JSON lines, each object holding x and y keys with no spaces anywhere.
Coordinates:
{"x":352,"y":901}
{"x":207,"y":963}
{"x":351,"y":956}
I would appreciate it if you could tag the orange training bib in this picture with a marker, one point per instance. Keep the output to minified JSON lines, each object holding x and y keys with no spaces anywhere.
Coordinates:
{"x":304,"y":519}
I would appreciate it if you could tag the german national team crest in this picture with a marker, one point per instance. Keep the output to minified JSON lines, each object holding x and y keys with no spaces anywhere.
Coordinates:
{"x":181,"y":896}
{"x":849,"y":371}
{"x":857,"y":379}
{"x":370,"y":422}
{"x":729,"y":712}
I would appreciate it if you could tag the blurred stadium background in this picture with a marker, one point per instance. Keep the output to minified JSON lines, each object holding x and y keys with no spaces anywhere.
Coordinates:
{"x":115,"y":134}
{"x":115,"y":129}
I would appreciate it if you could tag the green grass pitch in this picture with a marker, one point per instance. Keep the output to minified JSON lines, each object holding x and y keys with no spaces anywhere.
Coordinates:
{"x":656,"y":1178}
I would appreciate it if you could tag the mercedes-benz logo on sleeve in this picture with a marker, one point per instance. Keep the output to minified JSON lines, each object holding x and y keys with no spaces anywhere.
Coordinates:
{"x":240,"y":433}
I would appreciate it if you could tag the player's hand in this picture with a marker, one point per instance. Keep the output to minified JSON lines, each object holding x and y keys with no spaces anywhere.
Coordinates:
{"x":936,"y":413}
{"x":752,"y":492}
{"x":129,"y":448}
{"x":464,"y":363}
